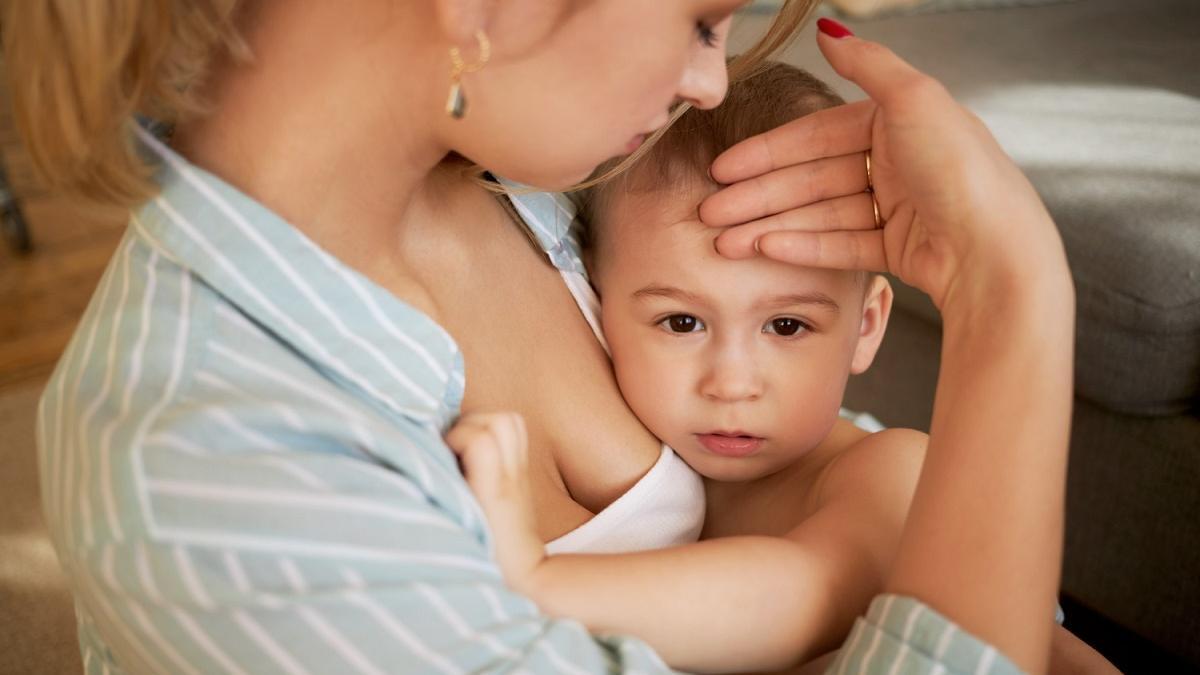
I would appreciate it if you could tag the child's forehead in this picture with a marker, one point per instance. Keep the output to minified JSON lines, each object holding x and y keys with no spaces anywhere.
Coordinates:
{"x":668,"y":212}
{"x":658,"y":238}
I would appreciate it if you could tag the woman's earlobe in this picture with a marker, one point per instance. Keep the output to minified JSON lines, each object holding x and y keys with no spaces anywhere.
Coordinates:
{"x":460,"y":20}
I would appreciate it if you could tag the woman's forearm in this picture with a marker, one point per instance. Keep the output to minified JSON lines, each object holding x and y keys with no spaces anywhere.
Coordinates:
{"x":984,"y":537}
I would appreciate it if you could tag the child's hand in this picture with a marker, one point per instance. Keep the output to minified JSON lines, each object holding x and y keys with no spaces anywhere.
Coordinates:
{"x":493,"y":451}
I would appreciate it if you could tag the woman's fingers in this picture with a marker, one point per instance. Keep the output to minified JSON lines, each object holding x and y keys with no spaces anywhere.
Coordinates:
{"x":785,"y":189}
{"x":842,"y":130}
{"x":885,"y":77}
{"x":854,"y":212}
{"x":833,"y":250}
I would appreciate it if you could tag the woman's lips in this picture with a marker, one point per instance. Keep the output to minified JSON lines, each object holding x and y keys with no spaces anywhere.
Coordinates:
{"x":635,"y":143}
{"x":730,"y":445}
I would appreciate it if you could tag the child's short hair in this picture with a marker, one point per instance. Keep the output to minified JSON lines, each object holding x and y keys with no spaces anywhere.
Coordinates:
{"x":776,"y":94}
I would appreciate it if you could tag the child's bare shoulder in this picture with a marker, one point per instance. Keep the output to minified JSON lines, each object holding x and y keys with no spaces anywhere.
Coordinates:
{"x":884,"y":464}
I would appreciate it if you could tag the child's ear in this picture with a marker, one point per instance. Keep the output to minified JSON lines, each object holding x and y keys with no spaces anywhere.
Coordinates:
{"x":877,"y":307}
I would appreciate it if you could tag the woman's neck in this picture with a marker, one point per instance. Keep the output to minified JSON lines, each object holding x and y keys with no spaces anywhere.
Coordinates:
{"x":309,"y":129}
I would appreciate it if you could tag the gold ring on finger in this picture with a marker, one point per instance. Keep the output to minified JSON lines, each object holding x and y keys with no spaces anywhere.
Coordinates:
{"x":870,"y":183}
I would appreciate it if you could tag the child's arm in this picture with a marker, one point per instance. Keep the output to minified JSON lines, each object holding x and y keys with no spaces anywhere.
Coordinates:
{"x":739,"y":603}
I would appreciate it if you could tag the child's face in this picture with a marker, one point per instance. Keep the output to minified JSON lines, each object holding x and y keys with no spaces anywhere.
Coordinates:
{"x":739,"y":365}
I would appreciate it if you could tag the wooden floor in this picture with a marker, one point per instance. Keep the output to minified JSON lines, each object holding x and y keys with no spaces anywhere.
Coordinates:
{"x":43,"y":294}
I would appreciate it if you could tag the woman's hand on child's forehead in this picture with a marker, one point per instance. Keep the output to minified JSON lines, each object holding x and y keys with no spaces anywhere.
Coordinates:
{"x":829,"y":133}
{"x":907,"y":181}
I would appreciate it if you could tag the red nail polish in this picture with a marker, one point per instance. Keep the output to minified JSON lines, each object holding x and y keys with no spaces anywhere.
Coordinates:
{"x":833,"y":28}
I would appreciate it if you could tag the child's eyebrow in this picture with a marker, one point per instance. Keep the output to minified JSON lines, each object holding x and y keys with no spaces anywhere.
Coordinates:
{"x":668,"y":292}
{"x":770,"y":302}
{"x":789,"y":299}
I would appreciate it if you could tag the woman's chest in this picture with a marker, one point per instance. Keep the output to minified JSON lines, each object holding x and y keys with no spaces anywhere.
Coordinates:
{"x":527,"y":348}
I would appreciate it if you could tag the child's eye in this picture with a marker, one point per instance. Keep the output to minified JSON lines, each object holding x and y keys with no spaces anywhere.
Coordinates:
{"x":682,"y":323}
{"x":708,"y":36}
{"x":785,"y":326}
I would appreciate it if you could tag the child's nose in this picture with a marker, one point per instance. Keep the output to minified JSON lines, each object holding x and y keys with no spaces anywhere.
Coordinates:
{"x":732,"y":378}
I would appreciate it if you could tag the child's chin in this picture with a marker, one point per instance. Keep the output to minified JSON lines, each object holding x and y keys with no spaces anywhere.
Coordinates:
{"x":730,"y":469}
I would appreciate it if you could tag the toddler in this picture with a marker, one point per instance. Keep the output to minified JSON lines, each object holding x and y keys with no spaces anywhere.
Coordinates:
{"x":739,"y":366}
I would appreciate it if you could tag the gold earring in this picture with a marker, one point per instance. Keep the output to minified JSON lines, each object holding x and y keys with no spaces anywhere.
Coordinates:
{"x":456,"y":102}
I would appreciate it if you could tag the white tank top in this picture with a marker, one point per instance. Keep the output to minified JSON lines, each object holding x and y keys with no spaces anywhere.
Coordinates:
{"x":664,"y":508}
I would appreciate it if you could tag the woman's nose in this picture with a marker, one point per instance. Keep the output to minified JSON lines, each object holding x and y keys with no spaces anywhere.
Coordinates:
{"x":706,"y":78}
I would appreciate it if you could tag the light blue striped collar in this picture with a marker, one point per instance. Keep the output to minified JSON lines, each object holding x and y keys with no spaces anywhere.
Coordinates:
{"x":351,"y":330}
{"x":551,"y":218}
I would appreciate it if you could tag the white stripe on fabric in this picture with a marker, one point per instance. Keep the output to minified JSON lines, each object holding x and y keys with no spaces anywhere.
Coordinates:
{"x":191,"y":580}
{"x":83,"y":432}
{"x":901,"y":656}
{"x":141,"y":562}
{"x":291,"y":573}
{"x":909,"y":622}
{"x":151,"y":631}
{"x":493,"y":603}
{"x":236,"y":572}
{"x":206,"y":644}
{"x":268,"y":645}
{"x":191,"y":231}
{"x":109,"y":577}
{"x":315,"y":394}
{"x":226,"y":419}
{"x":133,"y":378}
{"x":173,"y":442}
{"x":398,"y":631}
{"x":298,"y":282}
{"x":320,"y":550}
{"x":178,"y":355}
{"x":393,"y":479}
{"x":289,"y":499}
{"x":850,"y":646}
{"x":343,"y":647}
{"x":986,"y":660}
{"x":865,"y":665}
{"x":944,"y":641}
{"x":562,"y":664}
{"x":376,"y":312}
{"x":66,"y":456}
{"x":460,"y":626}
{"x":296,"y":471}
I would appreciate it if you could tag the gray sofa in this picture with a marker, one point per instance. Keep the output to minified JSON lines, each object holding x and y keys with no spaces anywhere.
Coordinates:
{"x":1099,"y":102}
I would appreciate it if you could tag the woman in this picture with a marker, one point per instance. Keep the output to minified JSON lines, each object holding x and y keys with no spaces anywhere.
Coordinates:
{"x":242,"y":459}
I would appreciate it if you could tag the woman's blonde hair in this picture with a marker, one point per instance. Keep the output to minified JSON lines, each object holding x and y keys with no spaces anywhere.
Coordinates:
{"x":79,"y":71}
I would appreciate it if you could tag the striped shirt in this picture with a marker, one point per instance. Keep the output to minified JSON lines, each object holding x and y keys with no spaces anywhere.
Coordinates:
{"x":242,"y":470}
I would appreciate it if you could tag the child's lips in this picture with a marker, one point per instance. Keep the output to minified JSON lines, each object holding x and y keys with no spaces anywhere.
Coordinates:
{"x":730,"y":444}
